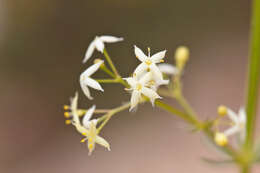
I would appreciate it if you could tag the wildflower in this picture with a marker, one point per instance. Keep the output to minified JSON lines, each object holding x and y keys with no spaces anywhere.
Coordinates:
{"x":238,"y":122}
{"x":98,"y":43}
{"x":238,"y":125}
{"x":168,"y":69}
{"x":139,"y":87}
{"x":149,"y":62}
{"x":88,"y":127}
{"x":86,"y":81}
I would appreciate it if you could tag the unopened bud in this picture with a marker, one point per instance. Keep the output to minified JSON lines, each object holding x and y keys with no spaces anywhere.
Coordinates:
{"x":222,"y":110}
{"x":221,"y":139}
{"x":181,"y":56}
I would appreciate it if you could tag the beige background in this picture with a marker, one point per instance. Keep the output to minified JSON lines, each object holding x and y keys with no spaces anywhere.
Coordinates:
{"x":42,"y":45}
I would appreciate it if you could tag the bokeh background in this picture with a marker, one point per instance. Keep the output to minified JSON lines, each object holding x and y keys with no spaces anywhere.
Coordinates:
{"x":42,"y":44}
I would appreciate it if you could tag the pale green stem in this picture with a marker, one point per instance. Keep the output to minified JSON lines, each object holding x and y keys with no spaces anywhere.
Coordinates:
{"x":106,"y":80}
{"x":253,"y":76}
{"x":106,"y":70}
{"x":110,"y":62}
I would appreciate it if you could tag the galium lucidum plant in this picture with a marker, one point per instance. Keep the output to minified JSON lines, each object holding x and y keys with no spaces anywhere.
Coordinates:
{"x":153,"y":80}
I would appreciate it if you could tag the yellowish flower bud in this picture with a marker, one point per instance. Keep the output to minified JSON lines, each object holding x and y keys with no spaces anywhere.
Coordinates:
{"x":221,"y":139}
{"x":222,"y":110}
{"x":181,"y":56}
{"x":66,"y":114}
{"x":67,"y":122}
{"x":66,"y":107}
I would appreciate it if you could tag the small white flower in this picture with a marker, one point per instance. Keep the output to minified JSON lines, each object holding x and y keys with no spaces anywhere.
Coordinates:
{"x":139,"y":87}
{"x":238,"y":122}
{"x":86,"y":81}
{"x":149,"y":62}
{"x":168,"y":69}
{"x":88,"y":129}
{"x":98,"y":43}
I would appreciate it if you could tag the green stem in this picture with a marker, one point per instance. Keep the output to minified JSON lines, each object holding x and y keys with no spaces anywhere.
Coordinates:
{"x":253,"y":76}
{"x":110,"y":62}
{"x":106,"y":80}
{"x":106,"y":70}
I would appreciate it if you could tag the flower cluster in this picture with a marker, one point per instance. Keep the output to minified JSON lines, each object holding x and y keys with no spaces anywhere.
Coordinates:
{"x":237,"y":125}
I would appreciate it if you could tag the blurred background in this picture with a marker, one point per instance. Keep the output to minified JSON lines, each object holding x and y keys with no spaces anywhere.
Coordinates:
{"x":42,"y":44}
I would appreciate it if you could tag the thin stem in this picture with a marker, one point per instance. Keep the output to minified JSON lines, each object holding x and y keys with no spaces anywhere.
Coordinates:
{"x":106,"y":80}
{"x":110,"y":62}
{"x":106,"y":70}
{"x":253,"y":76}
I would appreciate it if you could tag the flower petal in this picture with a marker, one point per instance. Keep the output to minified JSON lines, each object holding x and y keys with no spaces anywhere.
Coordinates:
{"x":93,"y":84}
{"x":158,"y":56}
{"x":134,"y":99}
{"x":92,"y":69}
{"x":139,"y":54}
{"x":146,"y":78}
{"x":110,"y":39}
{"x":131,"y":81}
{"x":232,"y":130}
{"x":85,"y":90}
{"x":88,"y":116}
{"x":89,"y":51}
{"x":156,"y":71}
{"x":99,"y":44}
{"x":242,"y":115}
{"x":150,"y":93}
{"x":168,"y":69}
{"x":140,"y":69}
{"x":101,"y":141}
{"x":233,"y":116}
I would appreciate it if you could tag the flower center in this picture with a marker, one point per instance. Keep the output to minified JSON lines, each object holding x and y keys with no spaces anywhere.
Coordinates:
{"x":138,"y":87}
{"x":148,"y":62}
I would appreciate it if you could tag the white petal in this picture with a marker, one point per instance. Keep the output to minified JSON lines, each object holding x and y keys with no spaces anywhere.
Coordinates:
{"x":89,"y":51}
{"x":92,"y":69}
{"x":134,"y":99}
{"x":156,"y":71}
{"x":88,"y":115}
{"x":131,"y":81}
{"x":110,"y":39}
{"x":150,"y":93}
{"x":158,"y":56}
{"x":233,"y":116}
{"x":232,"y":130}
{"x":101,"y":141}
{"x":74,"y":108}
{"x":242,"y":115}
{"x":85,"y":90}
{"x":93,"y":84}
{"x":139,"y":54}
{"x":146,"y":78}
{"x":140,"y":69}
{"x":99,"y":44}
{"x":168,"y":69}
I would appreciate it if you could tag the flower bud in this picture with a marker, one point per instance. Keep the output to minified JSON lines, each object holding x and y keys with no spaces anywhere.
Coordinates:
{"x":221,"y":139}
{"x":222,"y":110}
{"x":181,"y":56}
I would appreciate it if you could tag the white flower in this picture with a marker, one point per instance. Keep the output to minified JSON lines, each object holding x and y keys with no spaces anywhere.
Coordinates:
{"x":98,"y":43}
{"x":86,"y":81}
{"x":88,"y":129}
{"x":139,"y":87}
{"x":238,"y":122}
{"x":168,"y":69}
{"x":149,"y":62}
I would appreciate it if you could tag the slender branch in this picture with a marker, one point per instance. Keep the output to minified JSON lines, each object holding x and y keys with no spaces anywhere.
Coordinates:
{"x":110,"y":62}
{"x":253,"y":76}
{"x":106,"y":80}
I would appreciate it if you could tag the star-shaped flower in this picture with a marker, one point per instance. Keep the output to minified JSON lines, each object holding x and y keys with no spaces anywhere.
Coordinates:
{"x":140,"y":87}
{"x":238,"y":122}
{"x":88,"y":127}
{"x":86,"y":81}
{"x":98,"y":43}
{"x":149,"y":62}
